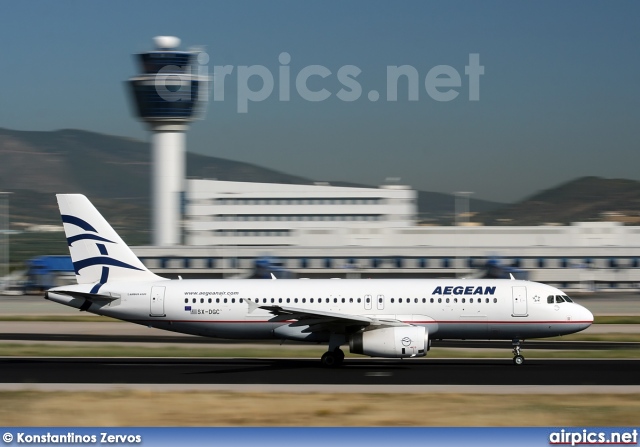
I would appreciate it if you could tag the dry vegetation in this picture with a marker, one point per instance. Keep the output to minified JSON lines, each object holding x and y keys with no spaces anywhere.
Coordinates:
{"x":146,"y":408}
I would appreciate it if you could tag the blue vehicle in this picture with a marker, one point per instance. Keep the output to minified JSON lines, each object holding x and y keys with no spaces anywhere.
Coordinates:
{"x":45,"y":272}
{"x":266,"y":266}
{"x":495,"y":269}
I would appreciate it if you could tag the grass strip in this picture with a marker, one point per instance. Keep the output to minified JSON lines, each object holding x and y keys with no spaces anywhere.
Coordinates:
{"x":196,"y":409}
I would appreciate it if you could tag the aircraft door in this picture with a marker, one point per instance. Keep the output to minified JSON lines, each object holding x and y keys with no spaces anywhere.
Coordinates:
{"x":157,"y":302}
{"x":367,"y":302}
{"x":519,"y":301}
{"x":380,"y":302}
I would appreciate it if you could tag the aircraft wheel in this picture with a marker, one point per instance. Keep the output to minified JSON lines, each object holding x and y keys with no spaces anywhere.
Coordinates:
{"x":518,"y":360}
{"x":339,"y":354}
{"x":331,"y":359}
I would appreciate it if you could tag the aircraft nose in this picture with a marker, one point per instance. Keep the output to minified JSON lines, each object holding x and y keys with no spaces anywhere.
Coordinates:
{"x":585,"y":315}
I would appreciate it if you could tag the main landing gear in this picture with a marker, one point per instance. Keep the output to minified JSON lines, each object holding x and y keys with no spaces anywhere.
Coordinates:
{"x":518,"y":359}
{"x":332,"y":359}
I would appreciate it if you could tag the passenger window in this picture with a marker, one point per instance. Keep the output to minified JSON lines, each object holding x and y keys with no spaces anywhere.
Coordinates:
{"x":233,"y":300}
{"x":471,"y":300}
{"x":194,"y":301}
{"x":447,"y":300}
{"x":487,"y":300}
{"x":495,"y":300}
{"x":186,"y":300}
{"x":359,"y":300}
{"x":463,"y":300}
{"x":431,"y":300}
{"x":351,"y":300}
{"x":455,"y":300}
{"x":392,"y":300}
{"x":288,"y":300}
{"x":295,"y":300}
{"x":209,"y":300}
{"x":225,"y":300}
{"x":400,"y":300}
{"x":439,"y":300}
{"x":310,"y":300}
{"x":304,"y":300}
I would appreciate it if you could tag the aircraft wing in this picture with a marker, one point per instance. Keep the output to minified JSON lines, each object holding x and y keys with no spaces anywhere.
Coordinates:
{"x":321,"y":321}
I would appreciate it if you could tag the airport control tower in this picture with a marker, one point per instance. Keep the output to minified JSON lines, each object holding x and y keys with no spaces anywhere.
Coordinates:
{"x":170,"y":92}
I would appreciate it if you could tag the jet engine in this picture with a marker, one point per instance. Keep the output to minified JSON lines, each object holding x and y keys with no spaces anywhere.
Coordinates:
{"x":391,"y":342}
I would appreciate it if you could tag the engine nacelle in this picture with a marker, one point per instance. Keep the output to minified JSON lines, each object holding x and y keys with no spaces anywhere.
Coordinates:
{"x":391,"y":342}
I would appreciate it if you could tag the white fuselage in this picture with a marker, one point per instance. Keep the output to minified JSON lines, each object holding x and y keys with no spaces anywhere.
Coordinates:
{"x":447,"y":308}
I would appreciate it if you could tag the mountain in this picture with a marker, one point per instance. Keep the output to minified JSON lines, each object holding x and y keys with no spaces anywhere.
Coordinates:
{"x":115,"y":172}
{"x":580,"y":200}
{"x":37,"y":165}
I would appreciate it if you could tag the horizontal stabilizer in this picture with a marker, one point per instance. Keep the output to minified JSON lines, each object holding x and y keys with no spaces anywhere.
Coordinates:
{"x":86,"y":296}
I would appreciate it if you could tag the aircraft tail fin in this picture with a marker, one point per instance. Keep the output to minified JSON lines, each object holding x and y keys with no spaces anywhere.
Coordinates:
{"x":97,"y":252}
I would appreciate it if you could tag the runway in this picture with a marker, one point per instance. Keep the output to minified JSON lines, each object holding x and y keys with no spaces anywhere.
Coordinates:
{"x":416,"y":372}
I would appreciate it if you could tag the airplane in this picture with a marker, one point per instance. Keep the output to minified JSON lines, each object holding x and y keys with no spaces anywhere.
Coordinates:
{"x":389,"y":318}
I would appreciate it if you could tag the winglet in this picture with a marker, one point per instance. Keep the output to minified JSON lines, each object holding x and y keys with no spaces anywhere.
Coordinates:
{"x":273,"y":276}
{"x":511,"y":275}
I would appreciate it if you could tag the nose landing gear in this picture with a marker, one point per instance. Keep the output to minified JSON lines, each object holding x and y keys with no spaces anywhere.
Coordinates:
{"x":518,"y":359}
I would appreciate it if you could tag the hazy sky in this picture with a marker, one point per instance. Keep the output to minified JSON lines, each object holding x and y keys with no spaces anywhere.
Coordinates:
{"x":559,"y":97}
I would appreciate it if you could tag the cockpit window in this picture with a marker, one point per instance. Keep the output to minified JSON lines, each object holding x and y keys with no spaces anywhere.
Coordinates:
{"x":567,"y":299}
{"x":559,"y":299}
{"x":550,"y":299}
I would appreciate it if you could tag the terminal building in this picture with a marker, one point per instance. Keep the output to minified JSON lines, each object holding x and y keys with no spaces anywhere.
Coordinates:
{"x":321,"y":230}
{"x":270,"y":214}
